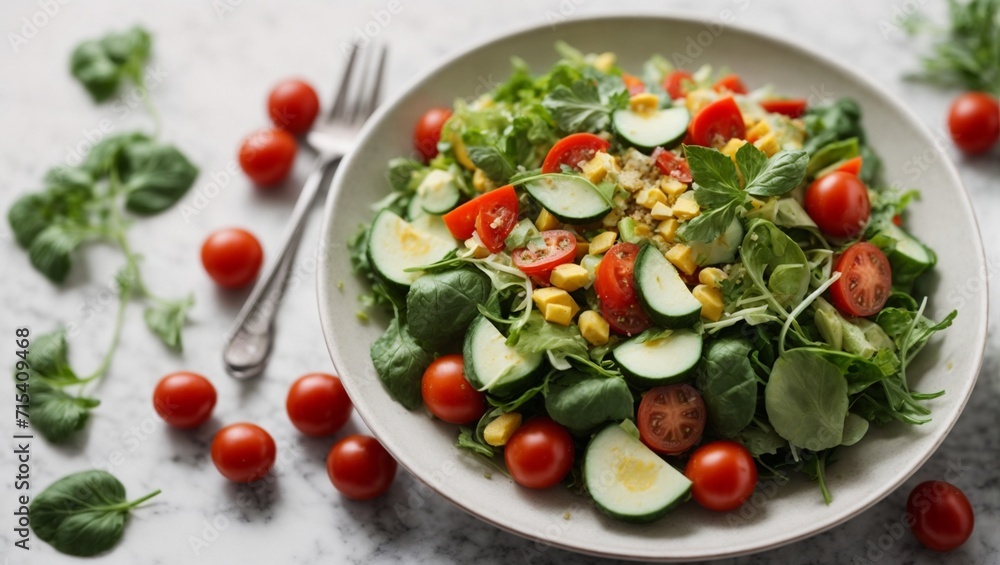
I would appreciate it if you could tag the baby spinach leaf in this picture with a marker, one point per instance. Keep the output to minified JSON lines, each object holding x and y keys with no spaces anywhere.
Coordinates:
{"x":56,"y":414}
{"x":855,"y":428}
{"x":806,"y":400}
{"x":102,"y":64}
{"x":728,"y":385}
{"x":166,"y":319}
{"x":400,"y":363}
{"x":440,"y":306}
{"x":581,"y":402}
{"x":762,"y":442}
{"x":538,"y":336}
{"x":83,"y":514}
{"x":838,"y":121}
{"x":155,"y":175}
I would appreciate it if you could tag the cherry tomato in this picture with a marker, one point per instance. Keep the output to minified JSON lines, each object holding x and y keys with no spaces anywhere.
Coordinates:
{"x":318,"y":405}
{"x":717,"y":123}
{"x":267,"y":156}
{"x":560,"y":248}
{"x":539,"y":454}
{"x":672,"y":165}
{"x":851,"y":166}
{"x":497,"y":217}
{"x":427,"y":134}
{"x":184,"y":400}
{"x":615,"y":289}
{"x":448,"y":394}
{"x":898,"y":220}
{"x":461,"y":221}
{"x":360,"y":468}
{"x":722,"y":474}
{"x":293,"y":106}
{"x":940,"y":515}
{"x":243,"y":452}
{"x":677,"y":83}
{"x":838,"y":203}
{"x":791,"y":107}
{"x":633,"y":83}
{"x":865,"y":281}
{"x":232,"y":257}
{"x":974,"y":122}
{"x":573,"y":150}
{"x":730,"y":83}
{"x":671,"y":418}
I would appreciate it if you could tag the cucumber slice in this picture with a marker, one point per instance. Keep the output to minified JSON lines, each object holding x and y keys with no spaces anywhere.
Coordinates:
{"x":907,"y":256}
{"x":628,"y":481}
{"x":493,"y":366}
{"x":662,"y":292}
{"x":663,"y":128}
{"x":660,"y":361}
{"x":395,"y":245}
{"x":570,"y":198}
{"x":438,"y":192}
{"x":720,"y":250}
{"x":433,"y":224}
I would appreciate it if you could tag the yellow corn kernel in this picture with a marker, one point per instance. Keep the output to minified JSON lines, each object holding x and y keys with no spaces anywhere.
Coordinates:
{"x":558,"y":314}
{"x":604,"y":61}
{"x":497,"y":432}
{"x":548,"y":296}
{"x":582,"y":248}
{"x":481,"y":182}
{"x":768,"y":144}
{"x":611,"y":220}
{"x":686,"y":208}
{"x":569,"y":277}
{"x":546,"y":221}
{"x":759,"y":130}
{"x":668,"y":229}
{"x":648,"y":197}
{"x":602,"y":242}
{"x":711,"y":301}
{"x":682,"y":258}
{"x":712,"y":276}
{"x":731,"y":147}
{"x":461,"y":154}
{"x":698,"y":99}
{"x":599,"y":167}
{"x":672,"y":187}
{"x":594,"y":328}
{"x":644,"y":103}
{"x":661,"y":211}
{"x":642,"y":230}
{"x":479,"y":251}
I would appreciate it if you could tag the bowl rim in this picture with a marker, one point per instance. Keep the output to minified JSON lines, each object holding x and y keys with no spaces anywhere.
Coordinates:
{"x":324,"y":270}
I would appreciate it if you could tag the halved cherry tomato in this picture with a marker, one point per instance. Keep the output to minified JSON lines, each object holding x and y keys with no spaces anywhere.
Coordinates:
{"x":865,"y":281}
{"x":461,"y":221}
{"x":633,"y":83}
{"x":573,"y":150}
{"x":677,"y":83}
{"x":940,"y":515}
{"x":427,"y":133}
{"x":615,"y":287}
{"x":851,"y":166}
{"x":731,"y":83}
{"x":791,"y":107}
{"x":723,"y":475}
{"x":497,"y":218}
{"x":539,"y":454}
{"x":838,"y":203}
{"x":717,"y":123}
{"x":560,"y":247}
{"x":671,"y":418}
{"x":672,"y":164}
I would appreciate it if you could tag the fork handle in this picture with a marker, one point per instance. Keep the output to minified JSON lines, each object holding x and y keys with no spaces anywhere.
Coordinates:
{"x":250,"y":342}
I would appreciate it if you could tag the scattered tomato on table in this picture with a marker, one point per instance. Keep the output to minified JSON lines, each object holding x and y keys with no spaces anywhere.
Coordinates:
{"x":232,"y":257}
{"x":293,"y":106}
{"x":184,"y":399}
{"x":243,"y":452}
{"x":360,"y":468}
{"x":318,"y":404}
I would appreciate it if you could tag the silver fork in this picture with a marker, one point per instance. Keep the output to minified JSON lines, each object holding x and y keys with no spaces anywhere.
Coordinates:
{"x":250,"y":342}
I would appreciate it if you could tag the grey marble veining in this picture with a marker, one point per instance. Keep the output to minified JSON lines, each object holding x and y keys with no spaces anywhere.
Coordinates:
{"x":215,"y":61}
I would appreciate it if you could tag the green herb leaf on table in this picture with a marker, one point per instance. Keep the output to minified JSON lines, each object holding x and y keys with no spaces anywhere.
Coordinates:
{"x":166,"y":318}
{"x":83,"y":514}
{"x":102,"y":64}
{"x":56,"y":414}
{"x":50,"y":250}
{"x":155,"y":176}
{"x":400,"y":363}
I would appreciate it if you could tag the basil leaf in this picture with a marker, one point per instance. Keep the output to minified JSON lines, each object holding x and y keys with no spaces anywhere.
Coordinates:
{"x":106,"y":154}
{"x":65,"y":196}
{"x":400,"y":363}
{"x":709,"y":225}
{"x":440,"y":306}
{"x":56,"y":414}
{"x":806,"y":400}
{"x":750,"y":161}
{"x":711,"y":169}
{"x":780,"y":174}
{"x":166,"y":319}
{"x":494,"y":163}
{"x":155,"y":176}
{"x":728,"y":385}
{"x":581,"y":403}
{"x":82,"y":514}
{"x":50,"y":250}
{"x":102,"y":64}
{"x":28,"y":217}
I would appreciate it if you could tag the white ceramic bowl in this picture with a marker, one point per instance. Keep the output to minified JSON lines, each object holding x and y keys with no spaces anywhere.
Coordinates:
{"x":776,"y":515}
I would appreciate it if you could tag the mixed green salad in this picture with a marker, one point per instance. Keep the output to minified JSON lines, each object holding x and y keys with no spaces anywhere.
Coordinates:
{"x":609,"y":278}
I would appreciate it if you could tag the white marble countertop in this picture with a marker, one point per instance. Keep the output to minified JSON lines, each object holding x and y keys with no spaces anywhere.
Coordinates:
{"x":217,"y":60}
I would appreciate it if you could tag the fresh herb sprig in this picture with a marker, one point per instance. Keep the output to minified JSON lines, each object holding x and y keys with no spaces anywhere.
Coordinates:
{"x":966,"y":53}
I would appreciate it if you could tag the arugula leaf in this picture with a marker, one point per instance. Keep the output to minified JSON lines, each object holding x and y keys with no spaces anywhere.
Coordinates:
{"x":583,"y":107}
{"x":400,"y":363}
{"x":582,"y":402}
{"x":769,"y":253}
{"x":440,"y":306}
{"x":728,"y":385}
{"x":467,"y":440}
{"x":155,"y":176}
{"x":102,"y":64}
{"x":806,"y":400}
{"x":166,"y":319}
{"x":83,"y":514}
